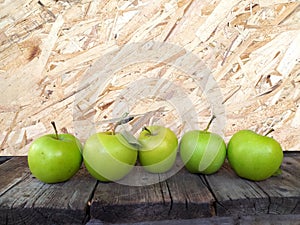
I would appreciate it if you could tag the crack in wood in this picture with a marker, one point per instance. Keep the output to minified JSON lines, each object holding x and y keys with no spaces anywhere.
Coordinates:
{"x":171,"y":198}
{"x":215,"y":202}
{"x":182,"y":196}
{"x":87,"y":216}
{"x":268,"y":197}
{"x":293,"y":211}
{"x":162,"y":192}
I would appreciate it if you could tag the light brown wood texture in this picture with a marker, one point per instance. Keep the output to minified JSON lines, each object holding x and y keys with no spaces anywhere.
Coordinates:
{"x":53,"y":54}
{"x":221,"y":197}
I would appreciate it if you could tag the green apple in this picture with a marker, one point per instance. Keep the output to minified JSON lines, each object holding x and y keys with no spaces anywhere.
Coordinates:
{"x":254,"y":156}
{"x":55,"y":158}
{"x":158,"y":149}
{"x":108,"y":156}
{"x":202,"y":151}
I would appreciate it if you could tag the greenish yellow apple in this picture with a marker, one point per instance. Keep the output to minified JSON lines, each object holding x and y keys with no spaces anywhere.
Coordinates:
{"x":108,"y":156}
{"x":202,"y":151}
{"x":158,"y":148}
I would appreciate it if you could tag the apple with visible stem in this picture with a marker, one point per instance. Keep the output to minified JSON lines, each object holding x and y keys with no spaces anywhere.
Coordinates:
{"x":108,"y":156}
{"x":55,"y":158}
{"x":202,"y":151}
{"x":253,"y":156}
{"x":158,"y":150}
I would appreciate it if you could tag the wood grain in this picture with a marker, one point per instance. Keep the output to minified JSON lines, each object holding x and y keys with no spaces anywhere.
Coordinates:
{"x":245,"y":220}
{"x":181,"y":196}
{"x":190,"y":196}
{"x":283,"y":196}
{"x":24,"y":199}
{"x":130,"y":203}
{"x":276,"y":195}
{"x":205,"y":199}
{"x":47,"y":48}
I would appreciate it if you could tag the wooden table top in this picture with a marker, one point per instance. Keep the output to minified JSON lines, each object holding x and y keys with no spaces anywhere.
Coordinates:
{"x":223,"y":196}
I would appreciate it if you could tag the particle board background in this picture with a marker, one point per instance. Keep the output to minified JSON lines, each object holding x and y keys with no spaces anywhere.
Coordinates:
{"x":251,"y":48}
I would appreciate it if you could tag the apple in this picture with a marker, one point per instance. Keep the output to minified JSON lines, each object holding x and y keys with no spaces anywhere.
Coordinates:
{"x":202,"y":151}
{"x":254,"y":156}
{"x":108,"y":156}
{"x":158,"y":150}
{"x":55,"y":158}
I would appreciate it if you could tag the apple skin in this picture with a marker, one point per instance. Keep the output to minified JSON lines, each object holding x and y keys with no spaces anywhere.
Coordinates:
{"x":195,"y":145}
{"x":253,"y":156}
{"x":108,"y":157}
{"x":53,"y":160}
{"x":159,"y":149}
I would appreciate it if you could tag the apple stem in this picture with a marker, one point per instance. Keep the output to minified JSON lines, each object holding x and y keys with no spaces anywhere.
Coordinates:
{"x":54,"y":127}
{"x":270,"y":131}
{"x":114,"y":128}
{"x":209,"y":123}
{"x":146,"y":129}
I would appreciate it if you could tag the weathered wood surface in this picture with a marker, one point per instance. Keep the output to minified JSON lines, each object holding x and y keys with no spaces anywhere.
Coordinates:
{"x":277,"y":195}
{"x":243,"y":220}
{"x":25,"y":200}
{"x":221,"y":198}
{"x":181,"y":196}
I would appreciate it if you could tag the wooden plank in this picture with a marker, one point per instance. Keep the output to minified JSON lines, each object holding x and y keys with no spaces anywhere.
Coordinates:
{"x":202,"y":221}
{"x":26,"y":200}
{"x":284,"y":190}
{"x":221,"y":198}
{"x":244,"y":220}
{"x":235,"y":196}
{"x":241,"y":197}
{"x":190,"y":196}
{"x":115,"y":202}
{"x":269,"y":220}
{"x":181,"y":196}
{"x":12,"y":172}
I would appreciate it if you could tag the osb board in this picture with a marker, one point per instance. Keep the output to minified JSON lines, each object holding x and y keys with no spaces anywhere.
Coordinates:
{"x":249,"y":49}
